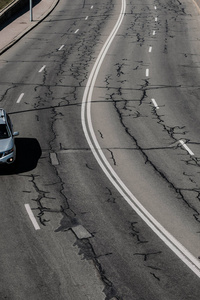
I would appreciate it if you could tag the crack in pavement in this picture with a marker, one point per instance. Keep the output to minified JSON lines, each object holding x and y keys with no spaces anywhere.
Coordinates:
{"x":78,"y":70}
{"x":7,"y":91}
{"x":135,"y":233}
{"x":171,"y":131}
{"x":111,"y":198}
{"x":88,"y":252}
{"x":112,"y":157}
{"x":147,"y":255}
{"x":79,"y":73}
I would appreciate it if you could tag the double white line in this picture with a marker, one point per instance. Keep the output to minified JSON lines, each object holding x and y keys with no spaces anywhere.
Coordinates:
{"x":191,"y":261}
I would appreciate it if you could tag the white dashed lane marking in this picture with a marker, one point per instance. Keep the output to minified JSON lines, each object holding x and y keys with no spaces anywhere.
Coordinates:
{"x":54,"y":159}
{"x":61,"y":47}
{"x":42,"y":69}
{"x":20,"y":98}
{"x":186,"y":147}
{"x":81,"y":232}
{"x":155,"y":103}
{"x":31,"y":216}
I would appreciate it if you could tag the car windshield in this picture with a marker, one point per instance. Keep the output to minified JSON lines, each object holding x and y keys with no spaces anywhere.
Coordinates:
{"x":4,"y":133}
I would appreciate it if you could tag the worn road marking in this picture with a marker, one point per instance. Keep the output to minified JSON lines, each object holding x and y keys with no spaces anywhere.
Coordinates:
{"x":20,"y":98}
{"x":155,"y":7}
{"x":61,"y":47}
{"x":31,"y":216}
{"x":196,"y":5}
{"x":186,"y":147}
{"x":81,"y":232}
{"x":42,"y":69}
{"x":188,"y":258}
{"x":154,"y":103}
{"x":54,"y":159}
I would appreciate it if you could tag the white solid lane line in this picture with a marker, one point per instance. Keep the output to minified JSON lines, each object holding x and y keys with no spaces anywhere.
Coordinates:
{"x":186,"y":147}
{"x":42,"y":69}
{"x":86,"y":119}
{"x":155,"y":103}
{"x":20,"y":98}
{"x":31,"y":216}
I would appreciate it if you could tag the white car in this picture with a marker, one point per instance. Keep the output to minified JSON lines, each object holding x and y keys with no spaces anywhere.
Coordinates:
{"x":7,"y":143}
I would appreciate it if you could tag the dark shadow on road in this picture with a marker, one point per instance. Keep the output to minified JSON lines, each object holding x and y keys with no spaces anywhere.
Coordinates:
{"x":28,"y":153}
{"x":21,"y":11}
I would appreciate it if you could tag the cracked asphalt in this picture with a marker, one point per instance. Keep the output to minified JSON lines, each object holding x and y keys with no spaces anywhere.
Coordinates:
{"x":121,"y":258}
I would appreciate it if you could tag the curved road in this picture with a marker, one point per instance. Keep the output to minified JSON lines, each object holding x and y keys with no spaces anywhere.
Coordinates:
{"x":86,"y":242}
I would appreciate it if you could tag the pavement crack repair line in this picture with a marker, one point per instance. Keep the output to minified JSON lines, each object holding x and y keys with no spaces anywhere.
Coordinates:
{"x":190,"y":260}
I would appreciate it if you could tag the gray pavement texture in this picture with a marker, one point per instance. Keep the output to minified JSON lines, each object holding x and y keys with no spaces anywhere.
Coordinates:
{"x":15,"y":30}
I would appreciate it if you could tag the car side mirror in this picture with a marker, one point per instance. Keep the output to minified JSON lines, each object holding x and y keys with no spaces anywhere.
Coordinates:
{"x":16,"y":133}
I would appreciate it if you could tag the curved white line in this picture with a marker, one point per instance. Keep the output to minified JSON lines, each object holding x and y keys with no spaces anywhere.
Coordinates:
{"x":164,"y":235}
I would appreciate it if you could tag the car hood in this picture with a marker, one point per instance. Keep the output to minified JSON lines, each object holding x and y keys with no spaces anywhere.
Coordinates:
{"x":6,"y":144}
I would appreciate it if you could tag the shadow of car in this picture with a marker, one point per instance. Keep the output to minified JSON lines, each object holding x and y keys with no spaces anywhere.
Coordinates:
{"x":28,"y":152}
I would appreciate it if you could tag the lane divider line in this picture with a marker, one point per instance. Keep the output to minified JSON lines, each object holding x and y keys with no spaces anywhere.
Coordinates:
{"x":92,"y":7}
{"x":54,"y":159}
{"x":86,"y":18}
{"x":186,"y":147}
{"x":76,"y":30}
{"x":61,"y":47}
{"x":31,"y":216}
{"x":154,"y":32}
{"x":42,"y":69}
{"x":20,"y":98}
{"x":156,"y":19}
{"x":155,"y":103}
{"x":189,"y":259}
{"x":150,"y":49}
{"x":147,"y":72}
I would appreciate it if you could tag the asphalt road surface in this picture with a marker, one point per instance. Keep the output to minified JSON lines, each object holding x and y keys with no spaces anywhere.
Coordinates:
{"x":68,"y":231}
